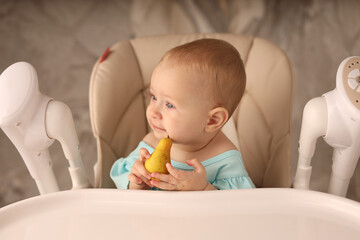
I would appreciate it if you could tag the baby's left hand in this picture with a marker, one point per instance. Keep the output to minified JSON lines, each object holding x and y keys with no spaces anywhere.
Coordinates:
{"x":182,"y":180}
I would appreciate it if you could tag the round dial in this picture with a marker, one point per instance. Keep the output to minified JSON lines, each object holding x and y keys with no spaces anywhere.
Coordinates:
{"x":351,"y":80}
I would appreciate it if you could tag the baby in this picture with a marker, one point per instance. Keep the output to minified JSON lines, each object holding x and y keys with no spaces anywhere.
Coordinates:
{"x":194,"y":89}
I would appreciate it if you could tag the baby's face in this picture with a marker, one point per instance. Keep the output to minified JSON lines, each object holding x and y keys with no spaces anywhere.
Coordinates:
{"x":179,"y":104}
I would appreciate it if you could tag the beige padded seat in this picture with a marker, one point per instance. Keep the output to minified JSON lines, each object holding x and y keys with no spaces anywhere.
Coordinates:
{"x":119,"y":96}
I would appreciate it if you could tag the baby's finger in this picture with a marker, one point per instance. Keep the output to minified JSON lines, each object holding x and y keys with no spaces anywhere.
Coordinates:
{"x":196,"y":164}
{"x":163,"y":185}
{"x":174,"y":172}
{"x":146,"y":181}
{"x":141,"y":169}
{"x":134,"y":179}
{"x":164,"y":178}
{"x":144,"y":154}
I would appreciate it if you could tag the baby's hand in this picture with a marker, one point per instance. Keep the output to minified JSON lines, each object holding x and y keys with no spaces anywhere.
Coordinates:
{"x":139,"y":177}
{"x":182,"y":180}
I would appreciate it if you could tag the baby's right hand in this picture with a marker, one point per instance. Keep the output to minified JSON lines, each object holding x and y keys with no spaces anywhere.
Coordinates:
{"x":139,"y":177}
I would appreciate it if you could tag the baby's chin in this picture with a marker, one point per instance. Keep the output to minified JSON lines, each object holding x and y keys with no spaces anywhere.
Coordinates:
{"x":160,"y":134}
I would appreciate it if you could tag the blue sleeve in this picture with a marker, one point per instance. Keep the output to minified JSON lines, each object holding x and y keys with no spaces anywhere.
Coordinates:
{"x":233,"y":183}
{"x":228,"y":172}
{"x":120,"y":170}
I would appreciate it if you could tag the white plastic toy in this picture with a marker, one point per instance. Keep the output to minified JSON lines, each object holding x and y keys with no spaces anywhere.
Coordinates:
{"x":336,"y":117}
{"x":32,"y":121}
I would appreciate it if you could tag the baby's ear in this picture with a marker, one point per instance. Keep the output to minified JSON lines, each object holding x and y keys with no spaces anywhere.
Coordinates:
{"x":217,"y":118}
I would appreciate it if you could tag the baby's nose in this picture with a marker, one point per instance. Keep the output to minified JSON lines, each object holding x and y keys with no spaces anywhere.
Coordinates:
{"x":155,"y":113}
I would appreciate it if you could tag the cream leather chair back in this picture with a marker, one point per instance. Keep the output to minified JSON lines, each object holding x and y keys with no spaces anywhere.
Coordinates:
{"x":119,"y":96}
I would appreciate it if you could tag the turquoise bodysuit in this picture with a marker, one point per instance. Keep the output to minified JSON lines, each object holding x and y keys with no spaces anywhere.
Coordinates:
{"x":224,"y":171}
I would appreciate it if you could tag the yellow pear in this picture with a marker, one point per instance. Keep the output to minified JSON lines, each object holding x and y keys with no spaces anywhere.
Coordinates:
{"x":160,"y":156}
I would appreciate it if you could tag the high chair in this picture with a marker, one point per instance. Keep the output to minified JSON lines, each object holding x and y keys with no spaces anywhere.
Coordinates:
{"x":260,"y":127}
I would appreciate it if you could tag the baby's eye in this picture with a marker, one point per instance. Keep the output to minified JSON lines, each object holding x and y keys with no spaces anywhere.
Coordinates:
{"x":153,"y":98}
{"x":169,"y":105}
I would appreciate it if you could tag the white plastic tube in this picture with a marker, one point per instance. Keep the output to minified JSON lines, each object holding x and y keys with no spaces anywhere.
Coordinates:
{"x":60,"y":125}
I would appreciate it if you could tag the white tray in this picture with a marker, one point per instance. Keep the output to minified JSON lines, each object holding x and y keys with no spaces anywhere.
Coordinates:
{"x":235,"y":214}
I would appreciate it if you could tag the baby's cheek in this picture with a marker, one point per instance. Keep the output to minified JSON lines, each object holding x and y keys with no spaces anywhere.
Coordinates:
{"x":184,"y":132}
{"x":177,"y":134}
{"x":147,"y":114}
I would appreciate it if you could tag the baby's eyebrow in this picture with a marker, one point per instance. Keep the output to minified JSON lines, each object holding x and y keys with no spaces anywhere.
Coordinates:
{"x":172,"y":100}
{"x":151,"y":91}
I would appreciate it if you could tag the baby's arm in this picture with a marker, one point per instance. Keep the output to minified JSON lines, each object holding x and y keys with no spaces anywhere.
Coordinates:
{"x":140,"y":178}
{"x":183,"y":180}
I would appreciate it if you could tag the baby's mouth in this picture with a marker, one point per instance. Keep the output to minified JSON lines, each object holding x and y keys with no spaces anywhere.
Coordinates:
{"x":158,"y":128}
